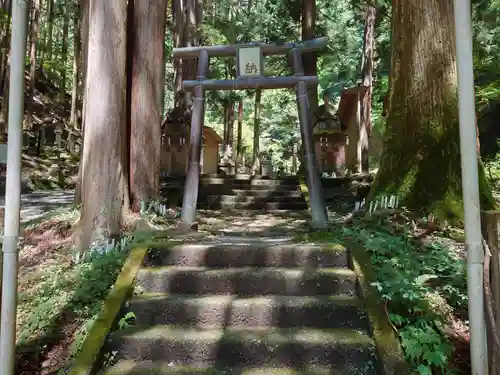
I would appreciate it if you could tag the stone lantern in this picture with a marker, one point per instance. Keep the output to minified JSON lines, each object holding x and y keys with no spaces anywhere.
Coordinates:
{"x":58,"y":130}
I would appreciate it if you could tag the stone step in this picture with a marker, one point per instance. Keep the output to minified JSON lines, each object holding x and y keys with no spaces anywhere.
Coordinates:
{"x":247,"y":255}
{"x":219,"y":311}
{"x":225,"y":199}
{"x":248,"y":281}
{"x":342,"y":349}
{"x":250,"y":181}
{"x":128,"y":367}
{"x":260,"y":193}
{"x":230,"y":187}
{"x":253,"y":206}
{"x":247,"y":176}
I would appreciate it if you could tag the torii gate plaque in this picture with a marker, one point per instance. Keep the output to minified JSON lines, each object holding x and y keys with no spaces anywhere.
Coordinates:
{"x":250,"y":75}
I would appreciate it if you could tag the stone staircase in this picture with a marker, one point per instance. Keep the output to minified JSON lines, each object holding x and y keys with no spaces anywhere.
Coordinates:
{"x":247,"y":192}
{"x":245,"y":306}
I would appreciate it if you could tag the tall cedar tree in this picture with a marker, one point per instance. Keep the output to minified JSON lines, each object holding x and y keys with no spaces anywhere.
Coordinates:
{"x":421,"y":159}
{"x":147,"y":80}
{"x":103,"y":172}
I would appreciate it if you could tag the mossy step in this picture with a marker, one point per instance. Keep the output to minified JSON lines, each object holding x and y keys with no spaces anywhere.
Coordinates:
{"x":232,"y":347}
{"x":170,"y":368}
{"x":261,"y":193}
{"x":244,"y":198}
{"x":263,"y":311}
{"x":256,"y":255}
{"x":247,"y":281}
{"x":285,"y":205}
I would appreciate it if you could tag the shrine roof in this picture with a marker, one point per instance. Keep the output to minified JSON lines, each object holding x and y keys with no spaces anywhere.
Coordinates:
{"x":210,"y":133}
{"x":183,"y":130}
{"x":348,"y":100}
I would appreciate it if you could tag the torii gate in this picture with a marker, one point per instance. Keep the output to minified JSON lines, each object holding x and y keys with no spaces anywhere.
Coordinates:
{"x":249,"y":69}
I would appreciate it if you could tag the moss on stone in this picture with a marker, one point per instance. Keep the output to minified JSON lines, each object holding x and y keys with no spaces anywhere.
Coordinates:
{"x":304,"y":189}
{"x":101,"y":327}
{"x":389,"y":351}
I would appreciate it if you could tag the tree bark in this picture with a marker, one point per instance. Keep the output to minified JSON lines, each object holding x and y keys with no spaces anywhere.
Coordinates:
{"x":50,"y":31}
{"x":64,"y":52}
{"x":178,"y":40}
{"x":239,"y":144}
{"x":84,"y":20}
{"x":421,"y":158}
{"x":5,"y":41}
{"x":74,"y":126}
{"x":5,"y":71}
{"x":146,"y":98}
{"x":310,"y":59}
{"x":103,"y":175}
{"x":256,"y":133}
{"x":367,"y":81}
{"x":35,"y":29}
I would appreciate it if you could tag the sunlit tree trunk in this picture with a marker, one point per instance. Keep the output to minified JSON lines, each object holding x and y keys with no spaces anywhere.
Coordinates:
{"x":239,"y":145}
{"x":148,"y":24}
{"x":421,"y":158}
{"x":256,"y":133}
{"x":75,"y":89}
{"x":64,"y":51}
{"x":35,"y":29}
{"x":309,"y":59}
{"x":103,"y":175}
{"x":84,"y":20}
{"x":366,"y":80}
{"x":7,"y":6}
{"x":178,"y":15}
{"x":50,"y":31}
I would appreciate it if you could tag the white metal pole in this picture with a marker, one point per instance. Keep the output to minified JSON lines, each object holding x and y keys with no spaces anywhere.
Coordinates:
{"x":13,"y":187}
{"x":470,"y":187}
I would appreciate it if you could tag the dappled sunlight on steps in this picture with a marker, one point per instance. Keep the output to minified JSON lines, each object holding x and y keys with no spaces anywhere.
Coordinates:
{"x":241,"y":306}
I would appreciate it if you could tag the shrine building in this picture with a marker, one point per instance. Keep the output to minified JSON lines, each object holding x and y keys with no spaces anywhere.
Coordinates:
{"x":175,"y":146}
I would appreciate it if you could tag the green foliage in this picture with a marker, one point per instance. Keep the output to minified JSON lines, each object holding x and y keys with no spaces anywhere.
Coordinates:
{"x":417,"y":285}
{"x":77,"y":292}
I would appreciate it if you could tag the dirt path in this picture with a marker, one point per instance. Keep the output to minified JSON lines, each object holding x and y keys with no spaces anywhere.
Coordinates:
{"x":35,"y":205}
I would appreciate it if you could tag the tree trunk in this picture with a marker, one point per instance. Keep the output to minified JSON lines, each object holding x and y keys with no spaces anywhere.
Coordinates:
{"x":421,"y":159}
{"x":64,"y":52}
{"x":178,"y":40}
{"x":5,"y":71}
{"x":239,"y":145}
{"x":35,"y":29}
{"x":84,"y":20}
{"x":103,"y":176}
{"x":367,"y":81}
{"x":230,"y":128}
{"x":5,"y":41}
{"x":190,"y":33}
{"x":256,"y":133}
{"x":225,"y":110}
{"x":50,"y":31}
{"x":309,"y":59}
{"x":146,"y":98}
{"x":74,"y":128}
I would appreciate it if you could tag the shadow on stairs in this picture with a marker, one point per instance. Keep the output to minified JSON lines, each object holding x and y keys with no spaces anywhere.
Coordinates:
{"x":247,"y":307}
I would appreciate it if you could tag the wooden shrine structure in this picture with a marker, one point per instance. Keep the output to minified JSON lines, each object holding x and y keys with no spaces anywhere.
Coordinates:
{"x":250,"y":75}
